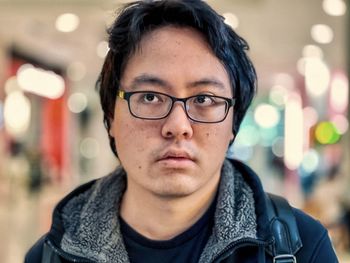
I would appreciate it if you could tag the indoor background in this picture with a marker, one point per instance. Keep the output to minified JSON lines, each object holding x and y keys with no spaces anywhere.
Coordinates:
{"x":52,"y":138}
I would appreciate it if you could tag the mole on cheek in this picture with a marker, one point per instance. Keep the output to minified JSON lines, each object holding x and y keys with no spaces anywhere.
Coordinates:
{"x":140,"y":167}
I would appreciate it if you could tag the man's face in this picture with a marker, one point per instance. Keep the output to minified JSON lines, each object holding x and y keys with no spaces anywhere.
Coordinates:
{"x":174,"y":156}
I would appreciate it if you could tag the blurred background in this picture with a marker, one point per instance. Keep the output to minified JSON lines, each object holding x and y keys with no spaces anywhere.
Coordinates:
{"x":52,"y":138}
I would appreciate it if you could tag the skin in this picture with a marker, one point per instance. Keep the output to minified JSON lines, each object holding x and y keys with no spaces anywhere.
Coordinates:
{"x":173,"y":165}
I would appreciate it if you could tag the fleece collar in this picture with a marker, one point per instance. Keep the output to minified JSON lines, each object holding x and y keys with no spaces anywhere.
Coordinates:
{"x":92,"y":230}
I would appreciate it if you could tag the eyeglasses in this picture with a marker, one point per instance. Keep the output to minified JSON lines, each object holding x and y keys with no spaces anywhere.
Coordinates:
{"x":151,"y":105}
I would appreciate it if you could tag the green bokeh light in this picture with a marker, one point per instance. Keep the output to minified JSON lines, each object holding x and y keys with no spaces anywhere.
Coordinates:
{"x":326,"y":133}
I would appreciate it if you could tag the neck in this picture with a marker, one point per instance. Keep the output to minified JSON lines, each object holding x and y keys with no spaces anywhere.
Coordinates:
{"x":162,"y":218}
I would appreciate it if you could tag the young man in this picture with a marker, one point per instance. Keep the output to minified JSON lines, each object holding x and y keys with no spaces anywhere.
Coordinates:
{"x":174,"y":88}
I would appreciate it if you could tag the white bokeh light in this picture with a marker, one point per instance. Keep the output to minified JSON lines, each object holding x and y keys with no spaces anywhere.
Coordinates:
{"x":67,"y":22}
{"x":89,"y":148}
{"x":293,"y":132}
{"x":334,"y":7}
{"x":266,"y":115}
{"x":102,"y":49}
{"x":40,"y":82}
{"x":231,"y":20}
{"x":317,"y":76}
{"x":322,"y":34}
{"x":310,"y":161}
{"x":77,"y":102}
{"x":339,"y":93}
{"x":312,"y":51}
{"x":76,"y":71}
{"x":17,"y":112}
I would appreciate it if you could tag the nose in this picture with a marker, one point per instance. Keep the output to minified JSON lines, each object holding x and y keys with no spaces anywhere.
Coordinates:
{"x":177,"y":124}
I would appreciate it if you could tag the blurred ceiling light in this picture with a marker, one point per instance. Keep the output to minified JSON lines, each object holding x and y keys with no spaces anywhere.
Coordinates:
{"x":266,"y":116}
{"x":322,"y":34}
{"x":339,"y":93}
{"x":312,"y":51}
{"x":89,"y":148}
{"x":40,"y":82}
{"x":310,"y":161}
{"x":341,"y":123}
{"x":278,"y":95}
{"x":11,"y":85}
{"x":317,"y":76}
{"x":76,"y":71}
{"x":293,"y":137}
{"x":77,"y":102}
{"x":102,"y":49}
{"x":231,"y":20}
{"x":17,"y":113}
{"x":334,"y":7}
{"x":67,"y":22}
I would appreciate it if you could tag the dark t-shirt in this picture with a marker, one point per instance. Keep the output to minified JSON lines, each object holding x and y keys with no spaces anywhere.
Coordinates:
{"x":186,"y":247}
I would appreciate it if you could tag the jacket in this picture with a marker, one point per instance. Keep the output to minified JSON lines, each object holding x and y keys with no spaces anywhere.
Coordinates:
{"x":85,"y":226}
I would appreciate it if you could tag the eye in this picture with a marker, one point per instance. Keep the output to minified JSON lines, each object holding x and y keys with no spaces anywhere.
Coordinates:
{"x":150,"y":98}
{"x":204,"y":100}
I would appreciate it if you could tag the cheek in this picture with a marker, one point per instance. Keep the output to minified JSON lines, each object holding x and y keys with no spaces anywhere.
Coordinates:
{"x":218,"y":137}
{"x":133,"y":136}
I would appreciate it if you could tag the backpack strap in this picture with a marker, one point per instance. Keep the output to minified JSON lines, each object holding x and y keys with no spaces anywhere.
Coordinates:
{"x":284,"y":229}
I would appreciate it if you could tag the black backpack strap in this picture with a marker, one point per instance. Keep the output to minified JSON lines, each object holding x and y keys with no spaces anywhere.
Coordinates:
{"x":283,"y":225}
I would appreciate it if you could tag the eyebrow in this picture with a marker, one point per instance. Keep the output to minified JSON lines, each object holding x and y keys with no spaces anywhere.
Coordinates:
{"x":207,"y":82}
{"x":149,"y":79}
{"x":154,"y":80}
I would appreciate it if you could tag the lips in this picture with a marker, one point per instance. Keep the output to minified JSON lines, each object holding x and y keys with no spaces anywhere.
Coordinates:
{"x":176,"y":156}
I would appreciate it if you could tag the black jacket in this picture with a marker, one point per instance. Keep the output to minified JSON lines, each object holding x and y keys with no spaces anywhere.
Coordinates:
{"x":240,"y":196}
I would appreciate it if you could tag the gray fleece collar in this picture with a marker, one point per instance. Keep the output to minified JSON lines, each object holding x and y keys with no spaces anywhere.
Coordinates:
{"x":92,"y":227}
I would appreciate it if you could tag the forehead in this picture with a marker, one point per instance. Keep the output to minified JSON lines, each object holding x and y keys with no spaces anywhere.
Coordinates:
{"x":175,"y":52}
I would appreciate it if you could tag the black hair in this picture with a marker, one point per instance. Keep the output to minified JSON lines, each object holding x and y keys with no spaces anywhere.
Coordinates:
{"x":138,"y":18}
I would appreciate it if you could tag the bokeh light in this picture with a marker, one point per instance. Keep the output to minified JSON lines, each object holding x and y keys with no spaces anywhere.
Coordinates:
{"x":40,"y":82}
{"x":266,"y":115}
{"x":231,"y":20}
{"x":334,"y":7}
{"x":77,"y":102}
{"x":248,"y":135}
{"x":102,"y":49}
{"x":312,"y":51}
{"x":326,"y":133}
{"x":317,"y":77}
{"x":341,"y":123}
{"x":278,"y":147}
{"x":310,"y":161}
{"x":67,"y":22}
{"x":322,"y":34}
{"x":76,"y":71}
{"x":11,"y":85}
{"x":293,"y":136}
{"x":89,"y":148}
{"x":17,"y":111}
{"x":339,"y":93}
{"x":278,"y":95}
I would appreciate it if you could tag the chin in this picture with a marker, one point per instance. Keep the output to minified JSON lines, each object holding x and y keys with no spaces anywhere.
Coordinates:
{"x":171,"y":190}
